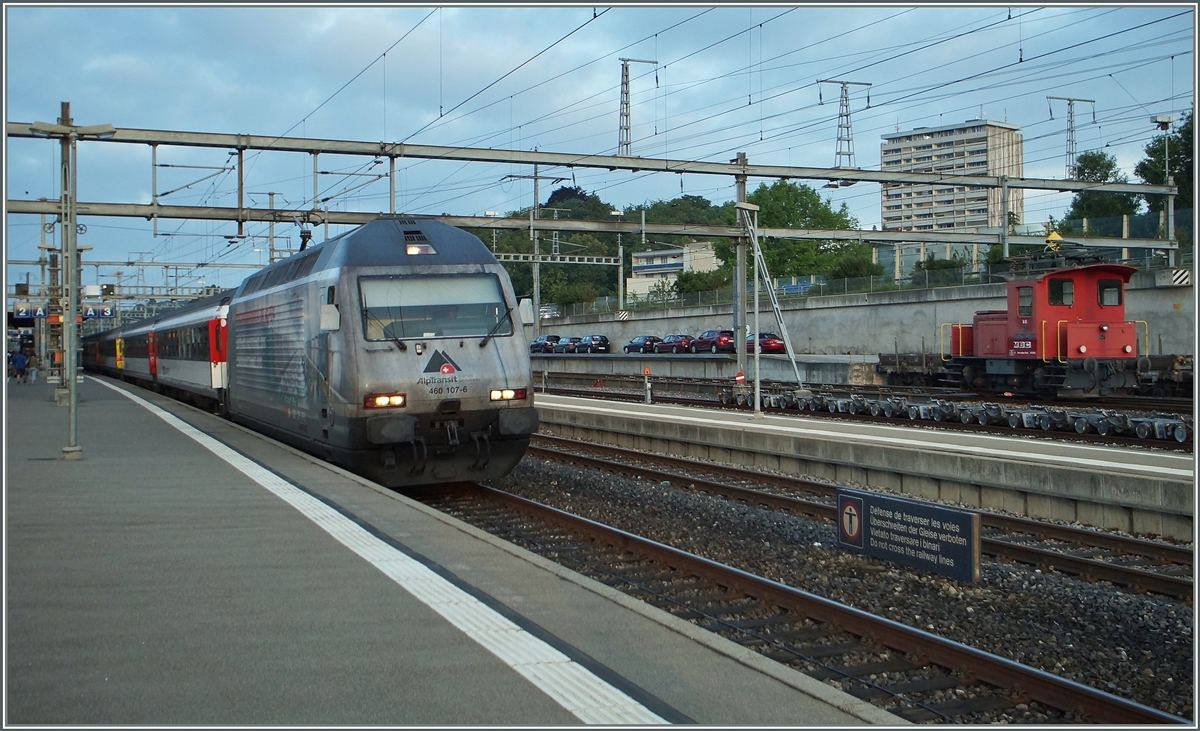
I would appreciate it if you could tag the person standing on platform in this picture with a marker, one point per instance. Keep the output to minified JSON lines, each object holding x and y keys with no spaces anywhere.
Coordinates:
{"x":19,"y":361}
{"x":31,"y":366}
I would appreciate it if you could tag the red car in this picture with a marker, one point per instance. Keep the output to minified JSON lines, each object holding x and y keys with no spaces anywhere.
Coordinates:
{"x":674,"y":344}
{"x":714,"y":341}
{"x":767,"y":343}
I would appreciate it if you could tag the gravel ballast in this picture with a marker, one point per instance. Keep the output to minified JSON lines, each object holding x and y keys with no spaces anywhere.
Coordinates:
{"x":1132,"y":645}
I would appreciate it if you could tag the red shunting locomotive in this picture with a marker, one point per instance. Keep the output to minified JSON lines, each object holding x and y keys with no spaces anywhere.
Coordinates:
{"x":1064,"y":333}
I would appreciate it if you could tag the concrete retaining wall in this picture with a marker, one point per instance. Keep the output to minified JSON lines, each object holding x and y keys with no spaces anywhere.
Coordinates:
{"x":884,"y":322}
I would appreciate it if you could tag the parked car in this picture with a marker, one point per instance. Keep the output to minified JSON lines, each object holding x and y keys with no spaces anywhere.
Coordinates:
{"x":674,"y":344}
{"x":642,"y":344}
{"x":715,"y":341}
{"x":543,"y":344}
{"x":566,"y":345}
{"x":593,"y":344}
{"x":767,"y":343}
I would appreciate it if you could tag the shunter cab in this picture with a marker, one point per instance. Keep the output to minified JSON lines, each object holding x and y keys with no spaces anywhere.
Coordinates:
{"x":1060,"y":316}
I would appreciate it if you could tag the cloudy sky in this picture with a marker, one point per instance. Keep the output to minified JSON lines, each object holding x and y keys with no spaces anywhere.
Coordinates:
{"x":729,"y":79}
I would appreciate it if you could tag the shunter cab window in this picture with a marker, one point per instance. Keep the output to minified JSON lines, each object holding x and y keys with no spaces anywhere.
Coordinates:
{"x":1109,"y":292}
{"x":1062,"y":292}
{"x":427,"y":307}
{"x":1024,"y":301}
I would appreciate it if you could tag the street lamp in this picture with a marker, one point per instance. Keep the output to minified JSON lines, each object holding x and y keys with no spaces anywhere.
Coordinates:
{"x":70,"y":135}
{"x":1163,"y":121}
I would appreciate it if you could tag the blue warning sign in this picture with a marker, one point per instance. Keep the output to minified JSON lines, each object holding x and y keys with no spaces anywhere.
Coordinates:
{"x":915,"y":533}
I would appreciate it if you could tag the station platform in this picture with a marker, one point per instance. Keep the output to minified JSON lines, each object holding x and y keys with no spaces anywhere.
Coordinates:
{"x":1140,"y":491}
{"x":189,"y":571}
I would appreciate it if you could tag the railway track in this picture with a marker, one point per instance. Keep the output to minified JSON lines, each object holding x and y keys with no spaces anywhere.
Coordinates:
{"x":1096,"y":428}
{"x":916,"y":675}
{"x":1138,"y":564}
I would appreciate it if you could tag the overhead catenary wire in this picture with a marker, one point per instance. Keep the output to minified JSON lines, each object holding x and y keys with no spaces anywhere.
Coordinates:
{"x":766,"y":130}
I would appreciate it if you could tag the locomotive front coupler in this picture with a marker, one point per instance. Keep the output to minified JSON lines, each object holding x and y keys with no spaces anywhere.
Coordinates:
{"x":483,"y":454}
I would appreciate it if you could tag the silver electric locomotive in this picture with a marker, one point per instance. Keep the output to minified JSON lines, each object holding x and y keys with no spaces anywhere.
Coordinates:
{"x":394,"y":350}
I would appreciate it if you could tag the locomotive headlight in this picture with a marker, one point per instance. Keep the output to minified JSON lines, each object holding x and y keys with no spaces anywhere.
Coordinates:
{"x":508,"y":394}
{"x":1082,"y":348}
{"x":384,"y":401}
{"x":1128,"y":348}
{"x":1104,"y":328}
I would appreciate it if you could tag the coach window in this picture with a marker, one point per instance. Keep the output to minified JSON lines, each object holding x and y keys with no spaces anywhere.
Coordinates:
{"x":1062,"y":292}
{"x":1025,"y":301}
{"x":1109,"y":291}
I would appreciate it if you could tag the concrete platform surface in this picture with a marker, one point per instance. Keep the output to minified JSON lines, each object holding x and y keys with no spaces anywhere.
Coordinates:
{"x":1144,"y":491}
{"x":188,"y":571}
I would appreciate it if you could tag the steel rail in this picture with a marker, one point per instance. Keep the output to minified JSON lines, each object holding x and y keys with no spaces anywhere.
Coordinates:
{"x":1159,"y":583}
{"x":1086,"y":702}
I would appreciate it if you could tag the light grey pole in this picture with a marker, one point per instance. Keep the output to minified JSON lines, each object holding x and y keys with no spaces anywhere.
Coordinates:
{"x":70,"y":329}
{"x":537,"y":266}
{"x":739,"y":275}
{"x":758,"y":275}
{"x":620,"y":273}
{"x":41,"y":329}
{"x":1170,"y":202}
{"x":1004,"y":213}
{"x":68,"y":215}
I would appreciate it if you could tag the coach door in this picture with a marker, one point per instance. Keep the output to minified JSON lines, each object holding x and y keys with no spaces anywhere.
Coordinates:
{"x":120,"y":353}
{"x":217,"y":351}
{"x":152,"y":352}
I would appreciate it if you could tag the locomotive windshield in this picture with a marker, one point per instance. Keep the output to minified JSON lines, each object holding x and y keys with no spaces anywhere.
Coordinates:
{"x":467,"y":305}
{"x":1109,"y":292}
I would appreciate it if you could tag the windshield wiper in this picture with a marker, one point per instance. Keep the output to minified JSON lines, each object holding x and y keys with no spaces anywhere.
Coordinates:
{"x":372,"y":318}
{"x":486,"y":338}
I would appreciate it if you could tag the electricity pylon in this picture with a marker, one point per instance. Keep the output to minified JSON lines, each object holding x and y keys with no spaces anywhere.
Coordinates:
{"x":625,"y":146}
{"x":1071,"y":128}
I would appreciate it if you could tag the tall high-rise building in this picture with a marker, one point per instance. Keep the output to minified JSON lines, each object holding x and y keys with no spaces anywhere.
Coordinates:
{"x":976,"y":147}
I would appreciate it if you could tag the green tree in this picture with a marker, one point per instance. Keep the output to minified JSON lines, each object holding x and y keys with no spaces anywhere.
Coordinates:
{"x":1099,"y":167}
{"x":704,"y":281}
{"x":578,"y":203}
{"x":938,"y":271}
{"x":1178,"y":145}
{"x":854,"y":261}
{"x":786,"y":204}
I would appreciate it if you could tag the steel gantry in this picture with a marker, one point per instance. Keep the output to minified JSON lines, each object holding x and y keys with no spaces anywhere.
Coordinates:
{"x":739,"y":168}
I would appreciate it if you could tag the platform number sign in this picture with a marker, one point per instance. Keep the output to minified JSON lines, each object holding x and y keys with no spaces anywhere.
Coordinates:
{"x":30,"y":309}
{"x":98,"y":311}
{"x":850,"y":520}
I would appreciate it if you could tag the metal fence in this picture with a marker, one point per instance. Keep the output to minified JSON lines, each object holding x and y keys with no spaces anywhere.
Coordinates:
{"x":790,"y":291}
